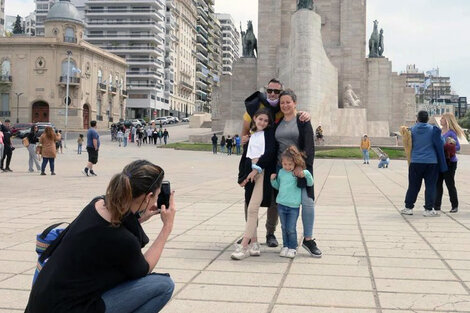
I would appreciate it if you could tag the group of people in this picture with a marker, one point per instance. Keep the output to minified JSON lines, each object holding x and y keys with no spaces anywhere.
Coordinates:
{"x":276,"y":170}
{"x":233,"y":144}
{"x":432,"y":157}
{"x":140,"y":135}
{"x":365,"y":146}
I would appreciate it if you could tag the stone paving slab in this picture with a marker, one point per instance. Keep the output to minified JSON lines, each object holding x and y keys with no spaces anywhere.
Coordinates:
{"x":375,"y":260}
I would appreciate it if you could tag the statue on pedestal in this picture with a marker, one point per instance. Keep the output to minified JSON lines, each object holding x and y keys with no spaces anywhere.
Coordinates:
{"x":350,"y":99}
{"x":381,"y":43}
{"x":374,"y":42}
{"x":249,"y":42}
{"x":305,"y":4}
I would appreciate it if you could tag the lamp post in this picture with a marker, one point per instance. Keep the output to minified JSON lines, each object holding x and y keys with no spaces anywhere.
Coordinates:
{"x":69,"y":53}
{"x":18,"y":106}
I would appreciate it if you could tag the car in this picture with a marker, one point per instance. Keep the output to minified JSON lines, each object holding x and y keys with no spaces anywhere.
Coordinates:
{"x":135,"y":122}
{"x":142,"y":121}
{"x":171,"y":119}
{"x":41,"y":127}
{"x":177,"y":120}
{"x":185,"y":119}
{"x":16,"y":128}
{"x":161,"y":120}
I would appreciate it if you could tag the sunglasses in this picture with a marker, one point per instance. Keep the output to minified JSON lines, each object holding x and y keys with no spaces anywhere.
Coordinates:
{"x":276,"y":91}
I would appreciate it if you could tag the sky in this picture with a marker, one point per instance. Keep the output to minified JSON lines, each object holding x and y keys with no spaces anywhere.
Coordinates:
{"x":427,"y":33}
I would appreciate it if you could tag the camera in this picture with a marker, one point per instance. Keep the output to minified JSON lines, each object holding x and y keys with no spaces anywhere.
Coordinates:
{"x":164,"y":196}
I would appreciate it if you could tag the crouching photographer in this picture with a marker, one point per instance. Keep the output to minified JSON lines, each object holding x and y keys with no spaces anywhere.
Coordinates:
{"x":96,"y":264}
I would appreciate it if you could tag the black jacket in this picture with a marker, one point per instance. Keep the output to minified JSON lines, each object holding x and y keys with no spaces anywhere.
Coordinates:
{"x":6,"y":135}
{"x":33,"y":138}
{"x":253,"y":102}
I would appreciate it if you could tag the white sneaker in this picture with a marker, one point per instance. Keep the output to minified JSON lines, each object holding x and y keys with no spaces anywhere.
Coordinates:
{"x":283,"y":252}
{"x":406,"y":211}
{"x":240,"y":253}
{"x":255,"y":249}
{"x":430,"y":213}
{"x":291,"y":253}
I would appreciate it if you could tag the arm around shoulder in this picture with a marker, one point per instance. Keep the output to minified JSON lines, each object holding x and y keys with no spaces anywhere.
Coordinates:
{"x":309,"y":178}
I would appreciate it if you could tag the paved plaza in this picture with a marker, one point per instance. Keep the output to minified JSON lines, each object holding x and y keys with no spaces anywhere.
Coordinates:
{"x":374,"y":259}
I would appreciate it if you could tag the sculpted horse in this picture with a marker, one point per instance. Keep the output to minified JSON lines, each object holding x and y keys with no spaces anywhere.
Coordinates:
{"x":250,"y":44}
{"x":374,"y":42}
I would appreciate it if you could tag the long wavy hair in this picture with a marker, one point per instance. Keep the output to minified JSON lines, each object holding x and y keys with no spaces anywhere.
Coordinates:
{"x":49,"y":133}
{"x":295,"y":155}
{"x":452,"y":123}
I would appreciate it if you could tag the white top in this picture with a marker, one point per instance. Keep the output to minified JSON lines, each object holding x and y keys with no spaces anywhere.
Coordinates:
{"x":256,"y":145}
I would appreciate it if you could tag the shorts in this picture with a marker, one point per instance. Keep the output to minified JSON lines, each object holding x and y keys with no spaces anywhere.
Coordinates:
{"x":92,"y":155}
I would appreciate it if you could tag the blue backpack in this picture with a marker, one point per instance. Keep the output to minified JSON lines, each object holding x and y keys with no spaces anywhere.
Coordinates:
{"x":46,"y":242}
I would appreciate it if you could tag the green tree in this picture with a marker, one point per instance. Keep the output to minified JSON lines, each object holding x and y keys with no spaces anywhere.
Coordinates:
{"x":17,"y":29}
{"x":465,"y":121}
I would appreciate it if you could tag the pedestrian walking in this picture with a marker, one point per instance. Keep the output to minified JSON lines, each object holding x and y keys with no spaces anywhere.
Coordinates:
{"x":32,"y":143}
{"x":126,"y":136}
{"x":166,"y":135}
{"x":92,"y":147}
{"x":7,"y":146}
{"x":149,"y":134}
{"x":48,"y":142}
{"x":120,"y":136}
{"x":80,"y":144}
{"x":214,"y":140}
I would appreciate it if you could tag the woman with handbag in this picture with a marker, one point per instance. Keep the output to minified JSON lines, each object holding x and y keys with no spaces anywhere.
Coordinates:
{"x":32,"y":142}
{"x":49,"y":151}
{"x":98,"y":266}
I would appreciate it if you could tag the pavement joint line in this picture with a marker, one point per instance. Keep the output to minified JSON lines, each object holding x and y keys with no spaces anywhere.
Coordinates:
{"x":459,"y":279}
{"x":366,"y":249}
{"x":324,"y":183}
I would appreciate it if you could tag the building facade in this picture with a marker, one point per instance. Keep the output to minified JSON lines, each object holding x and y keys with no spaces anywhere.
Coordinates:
{"x":34,"y":80}
{"x":180,"y":59}
{"x":43,"y":7}
{"x":2,"y":18}
{"x":134,"y":30}
{"x":230,"y":42}
{"x":429,"y":85}
{"x":29,"y":24}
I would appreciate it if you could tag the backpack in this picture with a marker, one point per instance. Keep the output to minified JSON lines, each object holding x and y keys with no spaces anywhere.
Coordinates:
{"x":46,"y":242}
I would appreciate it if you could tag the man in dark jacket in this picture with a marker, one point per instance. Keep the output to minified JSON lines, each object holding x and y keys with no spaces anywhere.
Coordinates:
{"x":427,"y":159}
{"x":214,"y":143}
{"x":8,"y":147}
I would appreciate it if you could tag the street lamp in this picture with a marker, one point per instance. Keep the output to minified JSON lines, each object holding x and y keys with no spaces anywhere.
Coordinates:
{"x":18,"y":106}
{"x":69,"y":53}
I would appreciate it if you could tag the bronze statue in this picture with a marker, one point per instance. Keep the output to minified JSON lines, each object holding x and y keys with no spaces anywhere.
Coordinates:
{"x":374,"y":42}
{"x":249,"y":42}
{"x":381,"y":43}
{"x":305,"y":4}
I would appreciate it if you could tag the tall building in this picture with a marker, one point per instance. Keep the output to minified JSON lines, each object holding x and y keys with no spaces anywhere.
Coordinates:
{"x":134,"y":30}
{"x":29,"y":24}
{"x":208,"y":54}
{"x":10,"y":21}
{"x":428,"y":85}
{"x":2,"y":17}
{"x":230,"y":42}
{"x":180,"y":59}
{"x":43,"y":7}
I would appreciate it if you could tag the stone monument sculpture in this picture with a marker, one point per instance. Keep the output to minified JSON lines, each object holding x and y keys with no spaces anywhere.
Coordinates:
{"x":374,"y":42}
{"x":305,"y":4}
{"x":350,"y":99}
{"x":381,"y":43}
{"x":249,"y":42}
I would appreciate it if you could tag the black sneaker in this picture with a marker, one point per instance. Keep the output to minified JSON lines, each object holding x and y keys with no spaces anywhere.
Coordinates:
{"x":85,"y":171}
{"x":271,"y":241}
{"x":437,"y":208}
{"x":311,"y":247}
{"x":454,"y":210}
{"x":93,"y":173}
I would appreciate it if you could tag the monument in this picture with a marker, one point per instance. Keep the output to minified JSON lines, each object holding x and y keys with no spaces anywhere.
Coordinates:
{"x":317,"y":49}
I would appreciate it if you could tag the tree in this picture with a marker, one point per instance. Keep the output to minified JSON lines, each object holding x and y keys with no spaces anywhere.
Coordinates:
{"x":17,"y":29}
{"x":465,"y":121}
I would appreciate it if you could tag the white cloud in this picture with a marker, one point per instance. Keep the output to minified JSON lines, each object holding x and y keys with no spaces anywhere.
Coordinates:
{"x":19,"y":7}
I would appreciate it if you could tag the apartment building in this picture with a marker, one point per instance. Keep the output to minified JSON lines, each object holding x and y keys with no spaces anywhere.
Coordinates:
{"x":230,"y":42}
{"x":134,"y":30}
{"x":2,"y":17}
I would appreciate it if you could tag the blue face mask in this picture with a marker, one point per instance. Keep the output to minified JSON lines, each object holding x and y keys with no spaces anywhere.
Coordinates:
{"x":273,"y":103}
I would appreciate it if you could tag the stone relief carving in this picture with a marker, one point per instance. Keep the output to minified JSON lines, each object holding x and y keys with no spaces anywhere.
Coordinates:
{"x":350,"y":99}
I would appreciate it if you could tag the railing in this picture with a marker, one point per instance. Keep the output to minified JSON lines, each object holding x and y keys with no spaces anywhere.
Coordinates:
{"x":70,"y":39}
{"x":130,"y":48}
{"x":142,"y":73}
{"x":72,"y":80}
{"x":122,"y":35}
{"x":121,"y":11}
{"x":102,"y":86}
{"x":99,"y":117}
{"x":6,"y":78}
{"x":122,"y":23}
{"x":113,"y":89}
{"x":5,"y":113}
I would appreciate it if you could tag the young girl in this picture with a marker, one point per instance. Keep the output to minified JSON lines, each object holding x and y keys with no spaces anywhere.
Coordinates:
{"x":120,"y":136}
{"x":256,"y":164}
{"x":289,"y":198}
{"x":80,"y":143}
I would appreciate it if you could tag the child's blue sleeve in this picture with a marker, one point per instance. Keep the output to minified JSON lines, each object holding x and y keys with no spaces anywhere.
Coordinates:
{"x":275,"y":183}
{"x":309,"y":178}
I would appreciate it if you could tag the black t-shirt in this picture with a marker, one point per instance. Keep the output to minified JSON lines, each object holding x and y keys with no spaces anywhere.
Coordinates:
{"x":92,"y":258}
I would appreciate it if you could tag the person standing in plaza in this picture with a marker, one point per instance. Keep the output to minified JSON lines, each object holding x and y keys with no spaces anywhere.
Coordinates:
{"x":237,"y":143}
{"x":33,"y":140}
{"x":229,"y":144}
{"x":1,"y":142}
{"x":214,"y":140}
{"x":149,"y":134}
{"x":365,"y":147}
{"x":99,"y":265}
{"x":427,"y":160}
{"x":127,"y":133}
{"x":166,"y":135}
{"x":120,"y":136}
{"x":92,"y":147}
{"x":222,"y":144}
{"x":449,"y":129}
{"x":79,"y":144}
{"x":48,"y":142}
{"x":7,"y":146}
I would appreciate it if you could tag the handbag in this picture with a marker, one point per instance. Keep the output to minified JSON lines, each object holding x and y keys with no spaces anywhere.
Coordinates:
{"x":25,"y":142}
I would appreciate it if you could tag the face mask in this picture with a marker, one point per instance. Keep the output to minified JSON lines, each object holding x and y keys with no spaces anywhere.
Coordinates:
{"x":273,"y":103}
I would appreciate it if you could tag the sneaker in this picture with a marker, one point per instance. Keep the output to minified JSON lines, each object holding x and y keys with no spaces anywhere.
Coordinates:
{"x":454,"y":210}
{"x":85,"y":171}
{"x":406,"y":211}
{"x":271,"y":241}
{"x":291,"y":253}
{"x":31,"y":171}
{"x":364,"y":162}
{"x":52,"y":173}
{"x":42,"y":173}
{"x":240,"y":253}
{"x":367,"y":162}
{"x":283,"y":252}
{"x":311,"y":247}
{"x":437,"y":209}
{"x":430,"y":213}
{"x":92,"y":173}
{"x":8,"y":170}
{"x":255,"y":249}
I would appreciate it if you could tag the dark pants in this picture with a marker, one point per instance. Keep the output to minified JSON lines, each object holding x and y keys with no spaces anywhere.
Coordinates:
{"x":271,"y":216}
{"x":7,"y":153}
{"x":416,"y":173}
{"x":144,"y":139}
{"x":214,"y":148}
{"x":44,"y":163}
{"x":448,"y":177}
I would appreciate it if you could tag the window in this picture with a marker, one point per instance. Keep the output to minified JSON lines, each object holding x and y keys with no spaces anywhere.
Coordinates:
{"x":70,"y":35}
{"x":98,"y":107}
{"x":72,"y":68}
{"x":5,"y":102}
{"x":100,"y":76}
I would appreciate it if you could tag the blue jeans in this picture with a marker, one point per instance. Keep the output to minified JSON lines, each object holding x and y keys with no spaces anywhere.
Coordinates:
{"x":288,"y":217}
{"x":44,"y":163}
{"x":79,"y":149}
{"x":416,"y":173}
{"x":238,"y":150}
{"x":148,"y":294}
{"x":222,"y":149}
{"x":382,"y":163}
{"x":365,"y":155}
{"x":214,"y":148}
{"x":125,"y":141}
{"x":308,"y":214}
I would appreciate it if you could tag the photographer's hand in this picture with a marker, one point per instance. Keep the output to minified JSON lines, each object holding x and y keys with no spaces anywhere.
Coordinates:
{"x":168,"y":214}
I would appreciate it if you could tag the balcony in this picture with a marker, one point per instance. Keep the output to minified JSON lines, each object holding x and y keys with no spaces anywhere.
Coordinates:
{"x":6,"y":79}
{"x":124,"y":93}
{"x":102,"y":87}
{"x":70,"y":39}
{"x":5,"y":113}
{"x":186,"y":86}
{"x":73,"y":81}
{"x":113,"y":90}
